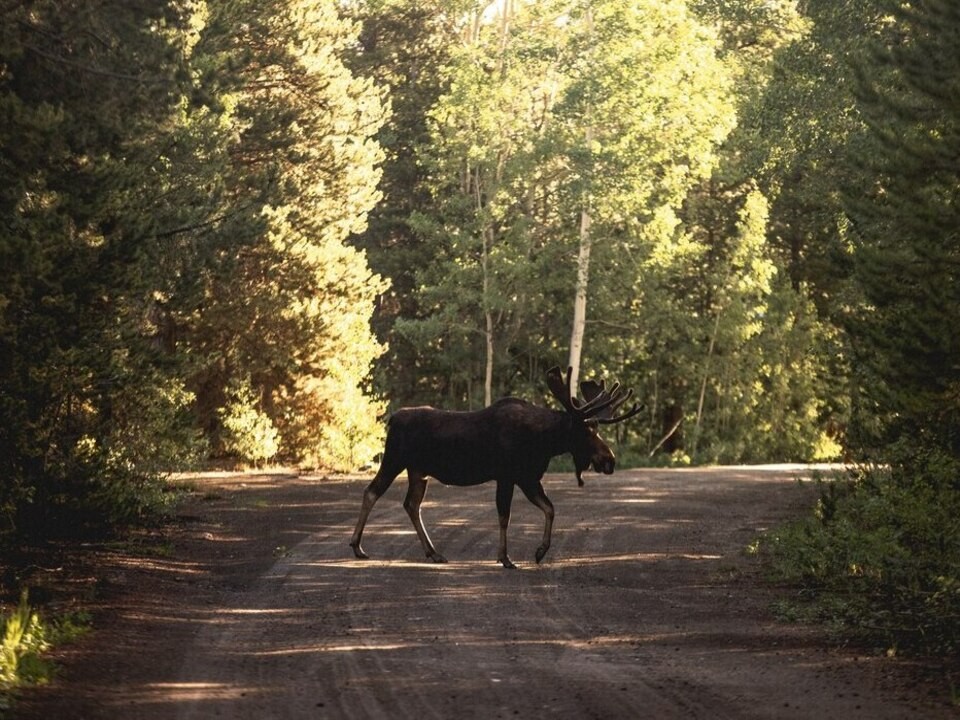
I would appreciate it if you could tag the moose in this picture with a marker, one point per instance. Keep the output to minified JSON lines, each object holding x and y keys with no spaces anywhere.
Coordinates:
{"x":511,"y":442}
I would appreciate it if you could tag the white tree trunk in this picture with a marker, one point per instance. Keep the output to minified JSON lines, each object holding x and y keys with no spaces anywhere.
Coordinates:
{"x":580,"y":299}
{"x":488,"y":318}
{"x":583,"y":260}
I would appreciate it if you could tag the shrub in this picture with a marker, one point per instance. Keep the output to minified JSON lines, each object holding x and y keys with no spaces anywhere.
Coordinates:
{"x":107,"y":473}
{"x":22,"y":642}
{"x":248,"y":432}
{"x":24,"y":638}
{"x":880,"y":556}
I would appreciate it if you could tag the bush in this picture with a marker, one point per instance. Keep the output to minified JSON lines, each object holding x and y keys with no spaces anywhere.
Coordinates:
{"x":248,"y":432}
{"x":880,"y":556}
{"x":24,"y":638}
{"x":104,"y":467}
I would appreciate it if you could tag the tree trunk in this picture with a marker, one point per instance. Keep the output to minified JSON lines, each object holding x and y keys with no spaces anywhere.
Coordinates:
{"x":583,"y":258}
{"x":703,"y":385}
{"x":580,"y":299}
{"x":488,"y":318}
{"x":672,"y":426}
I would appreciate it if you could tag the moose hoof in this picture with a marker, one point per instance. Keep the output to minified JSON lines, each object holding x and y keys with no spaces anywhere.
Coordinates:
{"x":507,"y":563}
{"x":358,"y":552}
{"x":436,"y":557}
{"x":541,"y":552}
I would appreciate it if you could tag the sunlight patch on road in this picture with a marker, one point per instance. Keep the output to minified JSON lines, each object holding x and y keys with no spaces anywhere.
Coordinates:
{"x":224,"y":537}
{"x":163,"y":565}
{"x":632,"y":557}
{"x":191,"y":691}
{"x":341,"y":648}
{"x":372,"y":564}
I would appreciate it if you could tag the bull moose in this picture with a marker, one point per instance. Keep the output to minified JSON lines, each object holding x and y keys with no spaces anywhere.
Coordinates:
{"x":511,"y":442}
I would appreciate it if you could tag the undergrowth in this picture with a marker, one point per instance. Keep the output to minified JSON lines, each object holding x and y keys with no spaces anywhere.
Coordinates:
{"x":879,"y":558}
{"x":24,"y":641}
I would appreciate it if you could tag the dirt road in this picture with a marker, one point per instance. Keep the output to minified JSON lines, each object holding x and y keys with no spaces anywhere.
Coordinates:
{"x":646,"y":607}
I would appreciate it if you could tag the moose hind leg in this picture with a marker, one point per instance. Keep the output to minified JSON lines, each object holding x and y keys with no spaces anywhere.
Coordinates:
{"x":538,"y":497}
{"x":415,"y":494}
{"x":504,"y":500}
{"x":377,"y":487}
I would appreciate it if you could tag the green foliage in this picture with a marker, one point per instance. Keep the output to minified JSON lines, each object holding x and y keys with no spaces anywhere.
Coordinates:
{"x":508,"y":169}
{"x":179,"y":181}
{"x":905,"y":248}
{"x":881,"y":557}
{"x":87,"y":403}
{"x":405,"y":45}
{"x":882,"y":554}
{"x":24,"y":638}
{"x":247,"y":432}
{"x":285,"y":307}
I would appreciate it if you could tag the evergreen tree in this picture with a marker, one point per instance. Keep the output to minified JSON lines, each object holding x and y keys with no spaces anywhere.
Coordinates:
{"x":883,"y":551}
{"x":906,"y":248}
{"x":178,"y":182}
{"x":89,"y":99}
{"x":406,"y":47}
{"x":284,"y":308}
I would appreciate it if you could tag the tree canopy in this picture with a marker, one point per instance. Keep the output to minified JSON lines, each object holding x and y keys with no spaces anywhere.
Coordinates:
{"x":179,"y":182}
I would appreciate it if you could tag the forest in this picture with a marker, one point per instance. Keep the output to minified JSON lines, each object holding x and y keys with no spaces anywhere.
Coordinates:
{"x":243,"y":231}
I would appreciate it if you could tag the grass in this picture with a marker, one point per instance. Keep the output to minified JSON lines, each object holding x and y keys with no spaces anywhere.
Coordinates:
{"x":24,"y":641}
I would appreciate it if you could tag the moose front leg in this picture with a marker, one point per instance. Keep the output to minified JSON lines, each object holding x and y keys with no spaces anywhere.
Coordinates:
{"x":538,"y":497}
{"x":504,"y":500}
{"x":415,"y":494}
{"x":377,"y":487}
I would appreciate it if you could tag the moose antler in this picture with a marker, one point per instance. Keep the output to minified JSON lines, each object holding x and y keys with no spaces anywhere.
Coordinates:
{"x":634,"y":410}
{"x":560,"y":388}
{"x":599,"y":403}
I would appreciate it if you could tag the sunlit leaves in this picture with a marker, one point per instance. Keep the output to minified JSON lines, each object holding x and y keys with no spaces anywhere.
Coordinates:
{"x":288,"y":303}
{"x":510,"y":169}
{"x":179,"y":181}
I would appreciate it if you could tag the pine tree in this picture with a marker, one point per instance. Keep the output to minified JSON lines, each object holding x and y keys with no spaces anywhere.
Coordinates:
{"x":898,"y":523}
{"x":904,"y":230}
{"x":284,"y":306}
{"x":405,"y":46}
{"x":89,"y":95}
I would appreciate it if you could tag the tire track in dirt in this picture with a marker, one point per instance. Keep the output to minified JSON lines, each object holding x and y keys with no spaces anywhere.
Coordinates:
{"x":646,"y":606}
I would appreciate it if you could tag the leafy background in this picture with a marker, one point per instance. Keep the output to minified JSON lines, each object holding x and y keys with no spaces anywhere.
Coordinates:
{"x":241,"y":232}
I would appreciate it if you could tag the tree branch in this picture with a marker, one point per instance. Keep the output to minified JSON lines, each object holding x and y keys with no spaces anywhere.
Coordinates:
{"x":90,"y":68}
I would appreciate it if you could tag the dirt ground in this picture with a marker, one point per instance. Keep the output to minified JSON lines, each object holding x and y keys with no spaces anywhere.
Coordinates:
{"x":251,"y":605}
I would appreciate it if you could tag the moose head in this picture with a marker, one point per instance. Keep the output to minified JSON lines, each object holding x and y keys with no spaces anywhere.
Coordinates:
{"x":598,"y":407}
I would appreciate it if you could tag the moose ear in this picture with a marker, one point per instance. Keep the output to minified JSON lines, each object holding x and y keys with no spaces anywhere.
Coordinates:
{"x":559,"y":387}
{"x":555,"y":378}
{"x":590,"y":389}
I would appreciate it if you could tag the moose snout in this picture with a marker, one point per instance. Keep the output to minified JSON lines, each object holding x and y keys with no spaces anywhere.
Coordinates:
{"x":604,"y":465}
